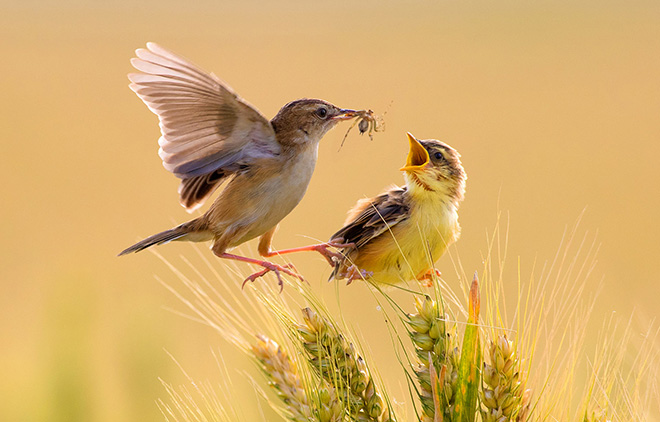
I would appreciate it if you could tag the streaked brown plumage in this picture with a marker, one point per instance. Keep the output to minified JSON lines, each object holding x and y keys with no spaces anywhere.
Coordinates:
{"x":399,"y":234}
{"x":210,"y":135}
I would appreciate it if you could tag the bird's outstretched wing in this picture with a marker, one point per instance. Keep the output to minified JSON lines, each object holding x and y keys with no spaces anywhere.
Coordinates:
{"x":208,"y":132}
{"x":372,"y":217}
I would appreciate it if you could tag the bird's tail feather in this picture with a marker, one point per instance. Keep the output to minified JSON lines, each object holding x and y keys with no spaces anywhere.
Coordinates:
{"x":162,"y":237}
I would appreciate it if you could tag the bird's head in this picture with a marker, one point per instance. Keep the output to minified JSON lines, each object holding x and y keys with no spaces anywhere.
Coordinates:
{"x":307,"y":120}
{"x":433,"y":166}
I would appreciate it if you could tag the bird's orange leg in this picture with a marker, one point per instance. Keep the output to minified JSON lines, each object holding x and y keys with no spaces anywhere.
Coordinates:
{"x":322,"y":248}
{"x":268,"y":267}
{"x":426,"y":279}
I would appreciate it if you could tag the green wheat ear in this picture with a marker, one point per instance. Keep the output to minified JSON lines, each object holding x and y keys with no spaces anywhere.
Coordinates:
{"x":448,"y":377}
{"x":336,"y":361}
{"x":503,"y":395}
{"x":283,"y":378}
{"x":437,"y":350}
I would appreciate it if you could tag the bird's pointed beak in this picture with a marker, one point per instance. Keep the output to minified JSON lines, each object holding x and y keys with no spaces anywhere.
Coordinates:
{"x":418,"y":157}
{"x":345,"y":114}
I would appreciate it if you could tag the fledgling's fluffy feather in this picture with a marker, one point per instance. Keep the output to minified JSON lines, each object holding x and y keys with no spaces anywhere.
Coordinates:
{"x":399,"y":234}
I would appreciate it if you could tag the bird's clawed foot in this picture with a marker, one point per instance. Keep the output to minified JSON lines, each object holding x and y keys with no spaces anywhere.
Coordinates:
{"x":288,"y":269}
{"x":330,"y":256}
{"x":426,"y":279}
{"x":354,"y":273}
{"x":277,"y":269}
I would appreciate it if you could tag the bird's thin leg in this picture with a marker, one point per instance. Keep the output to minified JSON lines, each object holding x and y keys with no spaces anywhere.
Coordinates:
{"x":268,"y":266}
{"x":322,"y":248}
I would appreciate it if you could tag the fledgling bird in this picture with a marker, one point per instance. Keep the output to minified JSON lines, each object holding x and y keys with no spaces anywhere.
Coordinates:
{"x":398,"y":235}
{"x":210,"y":136}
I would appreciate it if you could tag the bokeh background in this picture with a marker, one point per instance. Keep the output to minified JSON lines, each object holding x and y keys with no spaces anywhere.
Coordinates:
{"x":554,"y":106}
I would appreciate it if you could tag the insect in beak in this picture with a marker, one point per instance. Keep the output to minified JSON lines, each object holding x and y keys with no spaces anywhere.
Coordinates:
{"x":345,"y":114}
{"x":418,"y":157}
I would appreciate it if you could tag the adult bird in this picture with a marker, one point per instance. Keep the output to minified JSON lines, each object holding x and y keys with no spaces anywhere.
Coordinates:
{"x":210,"y":136}
{"x":398,"y":235}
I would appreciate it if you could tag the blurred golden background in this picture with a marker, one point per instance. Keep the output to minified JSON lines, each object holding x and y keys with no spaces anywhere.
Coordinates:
{"x":553,"y":105}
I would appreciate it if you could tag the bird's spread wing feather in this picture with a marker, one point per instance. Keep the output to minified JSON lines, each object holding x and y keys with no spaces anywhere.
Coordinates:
{"x":208,"y":132}
{"x":372,"y":217}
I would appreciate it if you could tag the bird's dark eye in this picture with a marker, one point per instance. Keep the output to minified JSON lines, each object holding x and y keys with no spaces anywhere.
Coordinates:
{"x":322,"y":112}
{"x":439,"y":156}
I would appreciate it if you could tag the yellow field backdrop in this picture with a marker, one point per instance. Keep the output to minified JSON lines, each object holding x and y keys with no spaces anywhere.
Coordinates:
{"x":554,"y":106}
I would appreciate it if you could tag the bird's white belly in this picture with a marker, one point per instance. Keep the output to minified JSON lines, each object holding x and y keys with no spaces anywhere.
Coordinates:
{"x":276,"y":197}
{"x":277,"y":200}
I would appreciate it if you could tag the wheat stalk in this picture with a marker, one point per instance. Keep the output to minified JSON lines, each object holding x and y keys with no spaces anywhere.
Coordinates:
{"x":330,"y":381}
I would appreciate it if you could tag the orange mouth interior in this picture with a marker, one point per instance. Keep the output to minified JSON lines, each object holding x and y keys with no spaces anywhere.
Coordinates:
{"x":418,"y":157}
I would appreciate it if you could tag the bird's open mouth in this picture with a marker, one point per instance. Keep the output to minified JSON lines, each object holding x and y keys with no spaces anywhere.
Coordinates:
{"x":418,"y":156}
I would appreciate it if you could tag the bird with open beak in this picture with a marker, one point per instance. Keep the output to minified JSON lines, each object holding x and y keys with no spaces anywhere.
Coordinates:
{"x":398,"y":235}
{"x":211,"y":136}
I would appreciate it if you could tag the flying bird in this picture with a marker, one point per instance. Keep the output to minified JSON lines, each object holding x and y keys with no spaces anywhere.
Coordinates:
{"x":398,"y":235}
{"x":212,"y":137}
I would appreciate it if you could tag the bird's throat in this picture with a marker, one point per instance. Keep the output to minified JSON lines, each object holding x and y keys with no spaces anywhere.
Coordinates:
{"x":416,"y":180}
